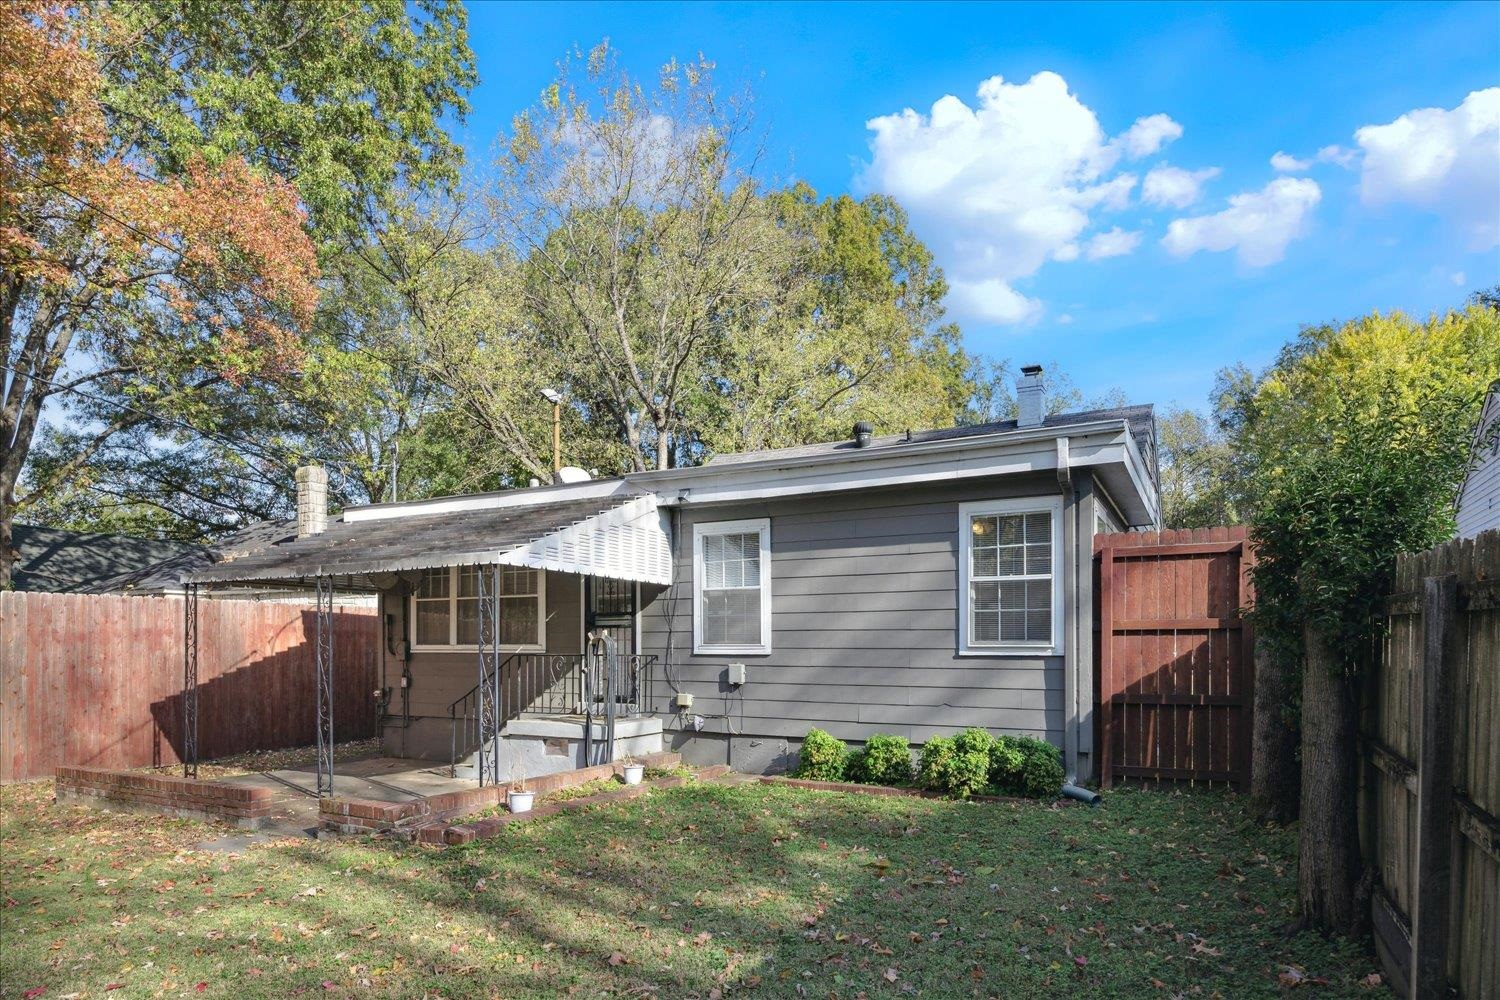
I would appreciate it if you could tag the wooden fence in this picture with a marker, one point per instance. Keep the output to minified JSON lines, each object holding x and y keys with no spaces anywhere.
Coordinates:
{"x":97,"y":680}
{"x":1175,"y":662}
{"x":1430,"y":787}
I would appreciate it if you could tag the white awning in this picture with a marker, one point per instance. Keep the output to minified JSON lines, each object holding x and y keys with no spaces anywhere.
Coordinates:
{"x":630,"y":542}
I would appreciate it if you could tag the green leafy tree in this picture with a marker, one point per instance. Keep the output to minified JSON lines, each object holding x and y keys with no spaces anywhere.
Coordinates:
{"x":852,"y":331}
{"x":231,"y":105}
{"x":1361,"y":440}
{"x":1201,"y":485}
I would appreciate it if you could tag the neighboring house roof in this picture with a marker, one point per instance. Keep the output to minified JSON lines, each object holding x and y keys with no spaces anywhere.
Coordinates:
{"x":73,"y":562}
{"x":168,"y":574}
{"x":1478,"y":504}
{"x":1139,"y":419}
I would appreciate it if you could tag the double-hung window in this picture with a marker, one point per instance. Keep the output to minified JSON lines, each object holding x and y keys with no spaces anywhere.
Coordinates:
{"x":1010,"y":579}
{"x":445,"y":607}
{"x":732,"y":587}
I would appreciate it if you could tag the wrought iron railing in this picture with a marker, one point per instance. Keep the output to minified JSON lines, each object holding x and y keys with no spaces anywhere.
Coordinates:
{"x":553,"y":684}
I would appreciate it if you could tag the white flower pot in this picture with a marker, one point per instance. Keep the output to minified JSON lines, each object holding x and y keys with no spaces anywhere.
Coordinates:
{"x":634,"y":773}
{"x":519,"y":802}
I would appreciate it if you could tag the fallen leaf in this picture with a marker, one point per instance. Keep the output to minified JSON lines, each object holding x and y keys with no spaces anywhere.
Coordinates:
{"x":617,"y":958}
{"x":891,"y":975}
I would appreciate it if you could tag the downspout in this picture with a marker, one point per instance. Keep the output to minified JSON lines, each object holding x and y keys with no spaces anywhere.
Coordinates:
{"x":1070,"y":608}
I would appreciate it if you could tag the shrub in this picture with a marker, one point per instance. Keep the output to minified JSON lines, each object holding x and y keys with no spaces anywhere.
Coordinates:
{"x":885,"y":760}
{"x":1041,"y":769}
{"x":1023,"y":765}
{"x":968,"y":773}
{"x":1006,"y":760}
{"x":823,"y":758}
{"x":954,"y":766}
{"x":854,"y":766}
{"x":973,"y":741}
{"x":932,"y":769}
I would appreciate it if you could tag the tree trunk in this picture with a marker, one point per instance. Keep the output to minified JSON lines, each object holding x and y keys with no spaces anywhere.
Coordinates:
{"x":1273,"y":753}
{"x":1329,"y":870}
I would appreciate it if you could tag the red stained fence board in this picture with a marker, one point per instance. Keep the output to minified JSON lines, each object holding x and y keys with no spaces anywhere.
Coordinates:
{"x":1175,"y":655}
{"x":96,"y":680}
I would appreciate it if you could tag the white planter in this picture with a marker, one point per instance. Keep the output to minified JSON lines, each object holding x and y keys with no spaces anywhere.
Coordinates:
{"x":634,"y":773}
{"x":519,"y":802}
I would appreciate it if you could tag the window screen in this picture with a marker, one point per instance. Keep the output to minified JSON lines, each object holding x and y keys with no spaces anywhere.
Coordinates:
{"x":730,"y":591}
{"x":433,"y":608}
{"x":447,"y":604}
{"x":520,"y":606}
{"x":1010,"y":578}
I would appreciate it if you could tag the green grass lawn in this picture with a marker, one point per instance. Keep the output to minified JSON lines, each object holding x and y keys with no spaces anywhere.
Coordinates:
{"x":700,"y":891}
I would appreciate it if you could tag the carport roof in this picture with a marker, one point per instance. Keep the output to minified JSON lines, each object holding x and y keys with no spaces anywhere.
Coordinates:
{"x":471,"y":537}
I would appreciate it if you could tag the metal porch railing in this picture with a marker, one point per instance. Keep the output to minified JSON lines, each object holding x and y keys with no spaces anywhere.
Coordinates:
{"x":542,"y":684}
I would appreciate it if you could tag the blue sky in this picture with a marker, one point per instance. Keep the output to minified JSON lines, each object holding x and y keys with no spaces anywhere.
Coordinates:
{"x":1118,"y":214}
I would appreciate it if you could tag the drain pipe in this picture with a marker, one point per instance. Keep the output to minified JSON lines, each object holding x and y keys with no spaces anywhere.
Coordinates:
{"x":1084,"y":795}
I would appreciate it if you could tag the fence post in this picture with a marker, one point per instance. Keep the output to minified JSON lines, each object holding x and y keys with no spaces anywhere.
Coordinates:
{"x":1434,"y":696}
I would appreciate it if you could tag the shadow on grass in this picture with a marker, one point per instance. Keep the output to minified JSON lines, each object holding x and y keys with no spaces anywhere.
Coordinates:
{"x":691,"y":890}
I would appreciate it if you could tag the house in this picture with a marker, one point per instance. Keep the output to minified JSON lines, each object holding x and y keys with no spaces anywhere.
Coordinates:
{"x":74,"y":562}
{"x":913,"y":584}
{"x":57,"y":561}
{"x":1479,"y":499}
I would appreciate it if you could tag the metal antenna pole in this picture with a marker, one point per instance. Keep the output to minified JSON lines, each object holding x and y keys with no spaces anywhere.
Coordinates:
{"x":324,"y":667}
{"x":190,"y":681}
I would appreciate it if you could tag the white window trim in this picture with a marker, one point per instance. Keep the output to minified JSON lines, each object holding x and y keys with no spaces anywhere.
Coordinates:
{"x":451,"y":646}
{"x":1026,"y":505}
{"x":761,"y":525}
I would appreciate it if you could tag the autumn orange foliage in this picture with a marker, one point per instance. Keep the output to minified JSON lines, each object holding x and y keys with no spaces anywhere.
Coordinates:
{"x":221,"y":246}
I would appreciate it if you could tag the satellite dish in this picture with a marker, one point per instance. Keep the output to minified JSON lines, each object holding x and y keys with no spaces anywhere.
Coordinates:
{"x":572,"y":474}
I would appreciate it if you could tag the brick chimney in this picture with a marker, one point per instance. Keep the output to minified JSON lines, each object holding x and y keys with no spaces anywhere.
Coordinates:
{"x":1031,"y":397}
{"x":312,"y":500}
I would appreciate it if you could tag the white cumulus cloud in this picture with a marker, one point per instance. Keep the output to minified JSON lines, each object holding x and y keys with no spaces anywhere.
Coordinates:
{"x":1448,"y":160}
{"x":1286,"y":163}
{"x":1258,"y":225}
{"x":1000,"y":187}
{"x":1115,"y":243}
{"x":1173,"y":187}
{"x":1147,"y":135}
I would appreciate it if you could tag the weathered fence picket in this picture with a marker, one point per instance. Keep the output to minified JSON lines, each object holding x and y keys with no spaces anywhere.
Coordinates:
{"x":1430,"y":795}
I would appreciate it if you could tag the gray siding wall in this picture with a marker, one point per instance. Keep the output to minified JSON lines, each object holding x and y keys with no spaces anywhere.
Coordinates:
{"x":864,"y":618}
{"x":1479,"y":505}
{"x":439,"y":679}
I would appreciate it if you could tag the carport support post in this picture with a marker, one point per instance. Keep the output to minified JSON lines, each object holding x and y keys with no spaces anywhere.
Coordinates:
{"x":487,"y":583}
{"x":323,"y":650}
{"x":190,"y":681}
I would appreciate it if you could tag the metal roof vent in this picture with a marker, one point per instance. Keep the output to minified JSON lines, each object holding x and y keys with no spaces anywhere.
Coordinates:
{"x":862,"y":434}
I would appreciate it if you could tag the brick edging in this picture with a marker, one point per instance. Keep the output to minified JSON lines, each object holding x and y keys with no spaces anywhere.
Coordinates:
{"x":192,"y":798}
{"x":415,"y":816}
{"x":859,"y":789}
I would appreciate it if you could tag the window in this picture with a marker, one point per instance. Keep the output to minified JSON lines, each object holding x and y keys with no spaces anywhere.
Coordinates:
{"x":1010,"y":589}
{"x":446,"y":607}
{"x":732,"y":587}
